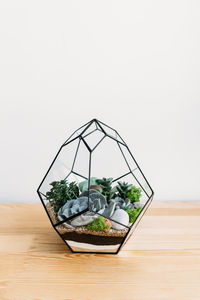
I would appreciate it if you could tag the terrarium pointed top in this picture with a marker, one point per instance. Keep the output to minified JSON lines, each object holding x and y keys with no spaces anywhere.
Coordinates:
{"x":93,"y":126}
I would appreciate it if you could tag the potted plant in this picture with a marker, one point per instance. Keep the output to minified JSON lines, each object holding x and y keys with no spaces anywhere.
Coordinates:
{"x":95,"y":198}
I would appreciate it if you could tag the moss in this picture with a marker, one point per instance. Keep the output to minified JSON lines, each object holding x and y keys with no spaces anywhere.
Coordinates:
{"x":133,"y":213}
{"x":134,"y":194}
{"x":98,"y":225}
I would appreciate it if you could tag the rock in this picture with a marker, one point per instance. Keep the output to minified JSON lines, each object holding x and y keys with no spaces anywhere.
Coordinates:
{"x":108,"y":224}
{"x":120,"y":216}
{"x":82,"y":220}
{"x":138,"y":204}
{"x":67,"y":225}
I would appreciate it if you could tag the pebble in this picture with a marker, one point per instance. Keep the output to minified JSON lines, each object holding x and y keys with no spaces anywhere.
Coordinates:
{"x":120,"y":216}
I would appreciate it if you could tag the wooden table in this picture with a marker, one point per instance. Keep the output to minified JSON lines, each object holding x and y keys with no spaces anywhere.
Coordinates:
{"x":160,"y":261}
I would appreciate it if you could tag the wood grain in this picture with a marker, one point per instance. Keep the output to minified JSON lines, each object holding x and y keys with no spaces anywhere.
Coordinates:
{"x":160,"y":261}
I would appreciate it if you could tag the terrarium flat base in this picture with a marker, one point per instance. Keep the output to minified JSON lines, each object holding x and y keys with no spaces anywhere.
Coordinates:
{"x":161,"y":260}
{"x":77,"y":246}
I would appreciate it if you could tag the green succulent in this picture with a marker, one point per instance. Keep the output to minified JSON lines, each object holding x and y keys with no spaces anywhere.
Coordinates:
{"x":60,"y":192}
{"x":106,"y":185}
{"x":134,"y":194}
{"x":83,"y":185}
{"x":133,"y":213}
{"x":98,"y":224}
{"x":122,"y":189}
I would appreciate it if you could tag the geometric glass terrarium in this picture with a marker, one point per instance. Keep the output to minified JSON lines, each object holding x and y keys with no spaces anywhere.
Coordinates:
{"x":94,"y":192}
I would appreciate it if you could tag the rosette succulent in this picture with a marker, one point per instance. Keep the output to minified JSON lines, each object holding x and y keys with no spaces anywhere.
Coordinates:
{"x":106,"y":185}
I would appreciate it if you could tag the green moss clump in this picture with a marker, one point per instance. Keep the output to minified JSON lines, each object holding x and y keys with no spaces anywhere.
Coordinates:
{"x":134,"y":194}
{"x":98,"y":224}
{"x":133,"y":213}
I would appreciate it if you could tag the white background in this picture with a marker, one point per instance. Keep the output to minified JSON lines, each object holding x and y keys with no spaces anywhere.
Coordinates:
{"x":135,"y":65}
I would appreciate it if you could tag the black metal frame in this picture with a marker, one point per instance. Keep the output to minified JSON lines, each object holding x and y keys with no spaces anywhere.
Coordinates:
{"x":99,"y":126}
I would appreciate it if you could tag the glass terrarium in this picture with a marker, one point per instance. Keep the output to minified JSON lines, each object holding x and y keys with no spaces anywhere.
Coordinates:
{"x":94,"y":192}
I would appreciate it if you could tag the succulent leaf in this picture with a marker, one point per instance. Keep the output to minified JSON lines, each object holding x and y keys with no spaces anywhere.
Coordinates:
{"x":106,"y":185}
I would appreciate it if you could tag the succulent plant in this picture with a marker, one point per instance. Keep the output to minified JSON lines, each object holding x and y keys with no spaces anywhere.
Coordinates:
{"x":72,"y":207}
{"x":61,"y":192}
{"x":83,"y":185}
{"x":114,"y":204}
{"x":122,"y":189}
{"x":121,"y":203}
{"x":97,"y":202}
{"x":97,"y":188}
{"x":108,"y":211}
{"x":86,"y":193}
{"x":97,"y":205}
{"x":106,"y":185}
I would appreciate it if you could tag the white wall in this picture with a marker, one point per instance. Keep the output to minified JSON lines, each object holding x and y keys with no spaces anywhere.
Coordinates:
{"x":132,"y":64}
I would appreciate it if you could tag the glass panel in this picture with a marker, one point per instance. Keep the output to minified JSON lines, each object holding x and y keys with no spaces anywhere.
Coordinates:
{"x":110,"y":132}
{"x":76,"y":133}
{"x":65,"y":200}
{"x":107,"y":160}
{"x":137,"y":173}
{"x":81,"y":163}
{"x":134,"y":225}
{"x":89,"y":130}
{"x":134,"y":169}
{"x":60,"y":188}
{"x":94,"y":138}
{"x":62,"y":165}
{"x":120,"y":201}
{"x":136,"y":193}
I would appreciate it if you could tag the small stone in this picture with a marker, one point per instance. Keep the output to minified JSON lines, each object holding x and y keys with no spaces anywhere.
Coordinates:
{"x":120,"y":216}
{"x":82,"y":220}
